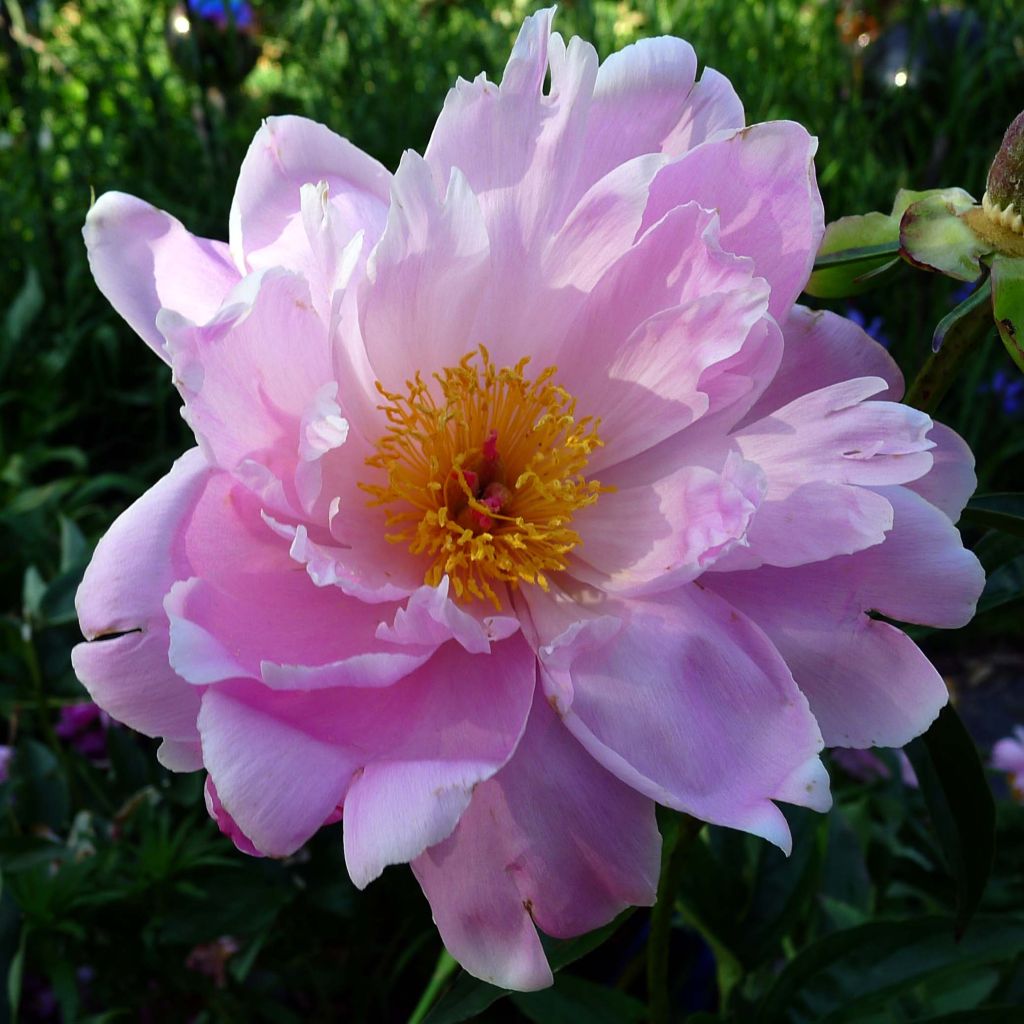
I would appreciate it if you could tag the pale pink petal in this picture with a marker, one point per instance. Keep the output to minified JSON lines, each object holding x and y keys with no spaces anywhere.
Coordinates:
{"x":144,"y":260}
{"x":181,"y":755}
{"x":691,"y":705}
{"x":818,"y":453}
{"x":282,"y":761}
{"x":678,"y":527}
{"x":463,"y":717}
{"x":761,"y":182}
{"x":426,"y":276}
{"x":253,"y":613}
{"x":867,"y":683}
{"x":288,"y":152}
{"x":951,"y":481}
{"x":124,"y":666}
{"x":711,"y":107}
{"x":1008,"y":754}
{"x":823,"y":348}
{"x":249,"y":377}
{"x":552,"y":840}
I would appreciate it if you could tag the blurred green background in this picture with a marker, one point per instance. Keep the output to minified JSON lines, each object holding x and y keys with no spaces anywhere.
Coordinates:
{"x":120,"y":901}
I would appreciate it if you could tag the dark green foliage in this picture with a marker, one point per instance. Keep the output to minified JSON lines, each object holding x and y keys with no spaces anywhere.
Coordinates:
{"x":120,"y":900}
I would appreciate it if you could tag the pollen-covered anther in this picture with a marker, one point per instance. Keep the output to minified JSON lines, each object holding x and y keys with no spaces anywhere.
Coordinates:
{"x":1005,"y":216}
{"x":481,"y":472}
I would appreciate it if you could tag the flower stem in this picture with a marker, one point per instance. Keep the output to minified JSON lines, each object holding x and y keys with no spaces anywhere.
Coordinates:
{"x":676,"y":841}
{"x":446,"y":964}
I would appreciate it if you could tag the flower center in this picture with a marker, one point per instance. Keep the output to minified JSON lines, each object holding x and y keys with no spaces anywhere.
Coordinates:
{"x":484,"y":472}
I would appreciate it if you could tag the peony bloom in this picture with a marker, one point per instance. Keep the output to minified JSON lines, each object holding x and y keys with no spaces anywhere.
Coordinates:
{"x":524,"y":496}
{"x":1008,"y":756}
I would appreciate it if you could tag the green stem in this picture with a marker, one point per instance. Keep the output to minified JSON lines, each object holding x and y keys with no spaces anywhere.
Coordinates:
{"x":961,"y":333}
{"x":673,"y":859}
{"x":446,"y":964}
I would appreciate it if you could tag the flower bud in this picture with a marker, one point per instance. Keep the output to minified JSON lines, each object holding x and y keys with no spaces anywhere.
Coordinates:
{"x":1003,"y":201}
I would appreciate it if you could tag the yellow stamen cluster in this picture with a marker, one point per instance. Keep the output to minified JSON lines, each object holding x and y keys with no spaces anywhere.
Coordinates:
{"x":483,"y":469}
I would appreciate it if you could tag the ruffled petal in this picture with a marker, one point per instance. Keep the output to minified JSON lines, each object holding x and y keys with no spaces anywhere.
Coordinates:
{"x":282,"y":761}
{"x":553,"y":840}
{"x":425,"y":276}
{"x":684,"y":699}
{"x":819,"y":453}
{"x":866,"y":681}
{"x":144,"y":260}
{"x":951,"y":481}
{"x":249,"y":378}
{"x":823,"y":348}
{"x":124,"y":666}
{"x":266,"y":227}
{"x":761,"y":182}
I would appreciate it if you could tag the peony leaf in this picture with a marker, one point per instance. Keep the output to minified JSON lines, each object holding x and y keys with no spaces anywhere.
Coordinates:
{"x":1008,"y":304}
{"x":856,"y":973}
{"x":935,"y":236}
{"x":576,"y":1001}
{"x":997,"y":512}
{"x":960,"y":803}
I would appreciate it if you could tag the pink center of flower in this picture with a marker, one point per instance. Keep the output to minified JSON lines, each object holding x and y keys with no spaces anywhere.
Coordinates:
{"x":483,"y":470}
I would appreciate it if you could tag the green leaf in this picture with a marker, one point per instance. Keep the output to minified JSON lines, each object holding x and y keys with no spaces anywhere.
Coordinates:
{"x":575,"y":1001}
{"x":1004,"y":585}
{"x":934,"y":236}
{"x":41,"y":789}
{"x":1008,"y":304}
{"x":960,"y":803}
{"x":962,"y":317}
{"x":997,"y":512}
{"x":846,"y":974}
{"x":469,"y":996}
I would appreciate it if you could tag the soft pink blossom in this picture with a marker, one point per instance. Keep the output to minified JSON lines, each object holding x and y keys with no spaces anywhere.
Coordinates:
{"x":1008,"y":756}
{"x":866,"y":766}
{"x":573,"y":618}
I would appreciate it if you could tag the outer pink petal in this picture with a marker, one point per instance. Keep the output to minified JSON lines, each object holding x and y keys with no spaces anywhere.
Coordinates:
{"x":425,"y":277}
{"x":818,"y":452}
{"x":459,"y":733}
{"x":711,"y":107}
{"x":552,"y":839}
{"x":144,"y":260}
{"x":134,"y":565}
{"x":281,"y":761}
{"x":250,"y":377}
{"x":823,"y":348}
{"x":289,"y":152}
{"x":951,"y":481}
{"x":761,"y":182}
{"x":867,"y":683}
{"x":689,"y":703}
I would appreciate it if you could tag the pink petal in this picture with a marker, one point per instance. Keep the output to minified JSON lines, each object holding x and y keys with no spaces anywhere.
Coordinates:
{"x":289,"y":152}
{"x":282,"y":761}
{"x":678,"y":526}
{"x":817,"y":453}
{"x":463,"y":722}
{"x":249,"y":377}
{"x":552,"y":839}
{"x":134,"y":565}
{"x":252,"y":613}
{"x":951,"y":481}
{"x":761,"y":182}
{"x":426,"y":276}
{"x":690,"y":704}
{"x":867,"y":683}
{"x":822,"y":349}
{"x":144,"y":260}
{"x":711,"y":107}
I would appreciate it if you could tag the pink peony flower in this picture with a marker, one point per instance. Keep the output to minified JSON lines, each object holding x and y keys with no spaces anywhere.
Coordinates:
{"x":525,"y":496}
{"x":1008,"y":756}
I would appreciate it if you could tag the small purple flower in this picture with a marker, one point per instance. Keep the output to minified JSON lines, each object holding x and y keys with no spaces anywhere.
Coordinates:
{"x":222,"y":12}
{"x":867,"y":766}
{"x":84,"y":728}
{"x":874,"y":327}
{"x":6,"y":753}
{"x":1008,"y":387}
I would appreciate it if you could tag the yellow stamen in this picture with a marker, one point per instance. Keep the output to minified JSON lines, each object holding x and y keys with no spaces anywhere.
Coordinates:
{"x":483,"y":480}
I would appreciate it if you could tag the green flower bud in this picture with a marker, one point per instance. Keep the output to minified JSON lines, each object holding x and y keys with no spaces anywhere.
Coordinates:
{"x":1003,"y":201}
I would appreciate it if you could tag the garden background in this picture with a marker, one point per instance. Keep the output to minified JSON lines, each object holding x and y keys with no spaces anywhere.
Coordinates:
{"x":120,"y":899}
